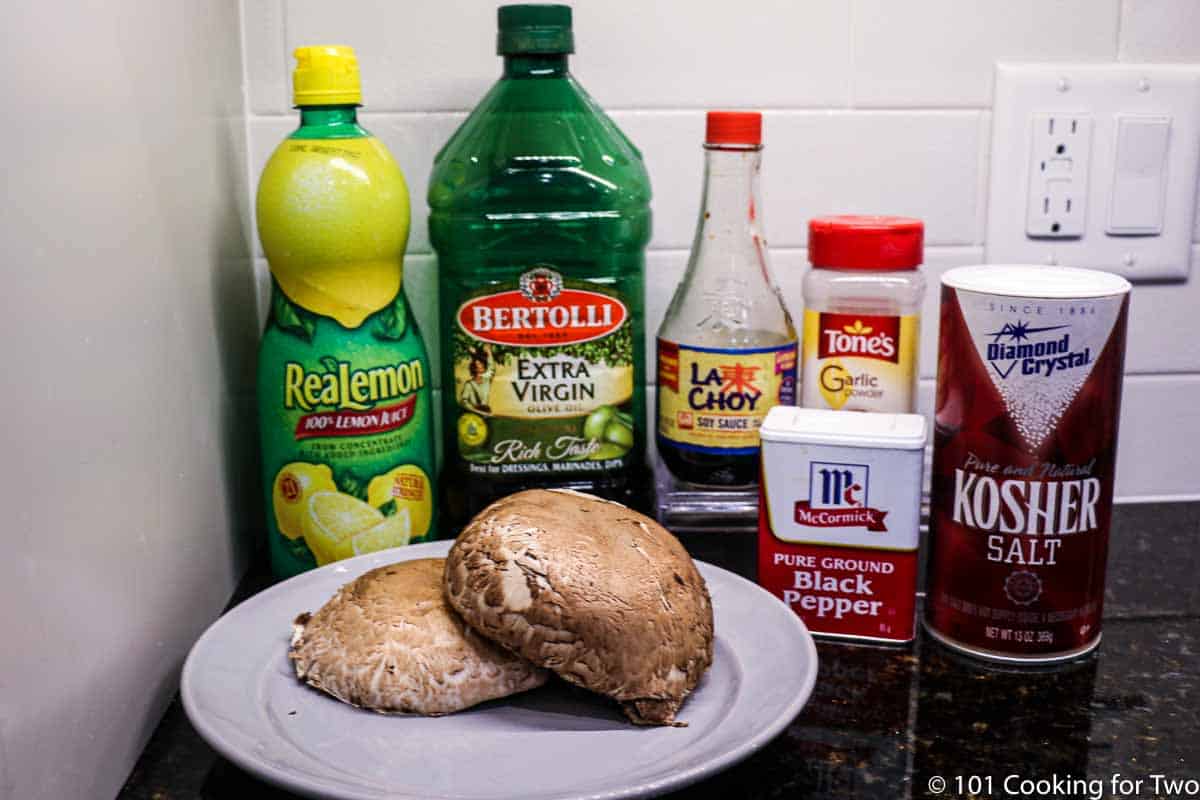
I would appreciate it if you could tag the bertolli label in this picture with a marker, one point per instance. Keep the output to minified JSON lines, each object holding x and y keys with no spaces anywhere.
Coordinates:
{"x":543,"y":377}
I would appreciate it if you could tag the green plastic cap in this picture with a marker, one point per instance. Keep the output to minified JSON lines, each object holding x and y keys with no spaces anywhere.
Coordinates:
{"x":534,"y":29}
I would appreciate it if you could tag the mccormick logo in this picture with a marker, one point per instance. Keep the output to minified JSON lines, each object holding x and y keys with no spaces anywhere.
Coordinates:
{"x":859,"y":336}
{"x":542,"y":312}
{"x":1048,"y":353}
{"x":837,"y":498}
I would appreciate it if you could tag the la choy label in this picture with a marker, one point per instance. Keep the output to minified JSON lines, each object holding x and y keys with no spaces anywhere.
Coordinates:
{"x":714,"y":400}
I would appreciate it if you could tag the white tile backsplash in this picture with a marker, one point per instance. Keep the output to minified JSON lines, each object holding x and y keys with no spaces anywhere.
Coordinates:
{"x":412,"y":56}
{"x":940,"y":53}
{"x":1157,"y":456}
{"x":268,"y":63}
{"x":824,"y":162}
{"x":872,"y":106}
{"x":420,"y":285}
{"x":689,"y":54}
{"x":1160,"y":30}
{"x":629,"y":54}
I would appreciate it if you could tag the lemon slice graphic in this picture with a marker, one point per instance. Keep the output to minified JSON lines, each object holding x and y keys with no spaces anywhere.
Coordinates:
{"x":294,"y":484}
{"x":394,"y":531}
{"x":332,"y":518}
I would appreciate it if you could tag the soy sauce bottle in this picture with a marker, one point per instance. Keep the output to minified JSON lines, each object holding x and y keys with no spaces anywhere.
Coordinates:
{"x":727,"y":347}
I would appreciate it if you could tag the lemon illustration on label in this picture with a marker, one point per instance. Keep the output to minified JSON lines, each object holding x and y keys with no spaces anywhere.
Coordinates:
{"x":394,"y":531}
{"x":320,"y":204}
{"x":294,"y":484}
{"x":836,"y":383}
{"x":332,"y":518}
{"x":472,"y":430}
{"x":410,"y":489}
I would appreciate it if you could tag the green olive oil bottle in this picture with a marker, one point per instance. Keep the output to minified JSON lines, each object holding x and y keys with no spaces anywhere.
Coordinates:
{"x":540,"y":216}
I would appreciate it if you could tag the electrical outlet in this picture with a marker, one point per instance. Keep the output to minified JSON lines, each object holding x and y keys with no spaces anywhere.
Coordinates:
{"x":1122,"y":192}
{"x":1060,"y":147}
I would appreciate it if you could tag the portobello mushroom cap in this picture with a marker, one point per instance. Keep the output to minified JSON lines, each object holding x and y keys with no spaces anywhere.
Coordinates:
{"x":388,"y":641}
{"x":602,"y":595}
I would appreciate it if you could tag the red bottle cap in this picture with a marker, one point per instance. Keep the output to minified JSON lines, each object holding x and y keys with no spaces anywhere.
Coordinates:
{"x":864,"y":242}
{"x":733,"y":127}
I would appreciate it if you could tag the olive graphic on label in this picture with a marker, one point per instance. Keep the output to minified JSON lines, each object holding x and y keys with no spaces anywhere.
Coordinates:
{"x":617,"y":433}
{"x":596,"y":424}
{"x":606,"y":451}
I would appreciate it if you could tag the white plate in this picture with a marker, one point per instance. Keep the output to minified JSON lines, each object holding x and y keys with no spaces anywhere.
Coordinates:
{"x":240,"y":692}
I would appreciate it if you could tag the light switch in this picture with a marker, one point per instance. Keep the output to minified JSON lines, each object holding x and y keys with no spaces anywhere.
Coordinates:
{"x":1136,"y":200}
{"x":1095,"y":165}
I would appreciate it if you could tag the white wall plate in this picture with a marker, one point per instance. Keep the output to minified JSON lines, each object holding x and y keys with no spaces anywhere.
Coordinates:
{"x":1095,"y":165}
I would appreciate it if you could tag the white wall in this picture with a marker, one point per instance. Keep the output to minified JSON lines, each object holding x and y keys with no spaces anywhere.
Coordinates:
{"x":128,"y":336}
{"x":873,"y":106}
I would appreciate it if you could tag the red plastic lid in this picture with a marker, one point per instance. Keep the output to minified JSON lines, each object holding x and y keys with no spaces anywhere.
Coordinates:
{"x":733,"y":127}
{"x":865,"y":242}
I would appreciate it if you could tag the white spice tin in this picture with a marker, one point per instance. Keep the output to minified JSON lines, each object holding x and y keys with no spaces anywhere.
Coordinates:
{"x":839,"y":520}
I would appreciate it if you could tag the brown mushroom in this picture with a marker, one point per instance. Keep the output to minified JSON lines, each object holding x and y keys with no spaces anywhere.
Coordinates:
{"x":602,"y":595}
{"x":387,"y":641}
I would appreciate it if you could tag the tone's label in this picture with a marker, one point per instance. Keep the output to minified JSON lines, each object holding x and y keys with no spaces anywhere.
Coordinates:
{"x":543,"y":377}
{"x":714,"y":400}
{"x":859,"y":362}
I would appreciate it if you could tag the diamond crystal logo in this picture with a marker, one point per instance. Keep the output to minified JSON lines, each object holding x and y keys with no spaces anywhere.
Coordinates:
{"x":1038,"y":354}
{"x":1012,"y":345}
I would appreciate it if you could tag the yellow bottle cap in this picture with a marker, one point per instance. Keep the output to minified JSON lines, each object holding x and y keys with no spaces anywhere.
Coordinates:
{"x":326,"y":75}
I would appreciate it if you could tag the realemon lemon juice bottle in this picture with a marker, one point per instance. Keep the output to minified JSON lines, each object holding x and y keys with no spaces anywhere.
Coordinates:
{"x":343,"y":377}
{"x":540,"y":216}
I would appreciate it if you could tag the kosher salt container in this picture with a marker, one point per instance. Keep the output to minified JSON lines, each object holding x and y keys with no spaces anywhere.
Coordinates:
{"x":839,"y":520}
{"x":1030,"y":365}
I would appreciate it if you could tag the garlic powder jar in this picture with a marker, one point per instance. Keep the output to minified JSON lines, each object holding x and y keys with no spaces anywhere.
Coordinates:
{"x":862,"y":304}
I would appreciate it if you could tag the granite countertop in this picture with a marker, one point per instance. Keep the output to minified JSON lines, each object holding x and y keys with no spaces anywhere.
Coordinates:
{"x":888,"y":723}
